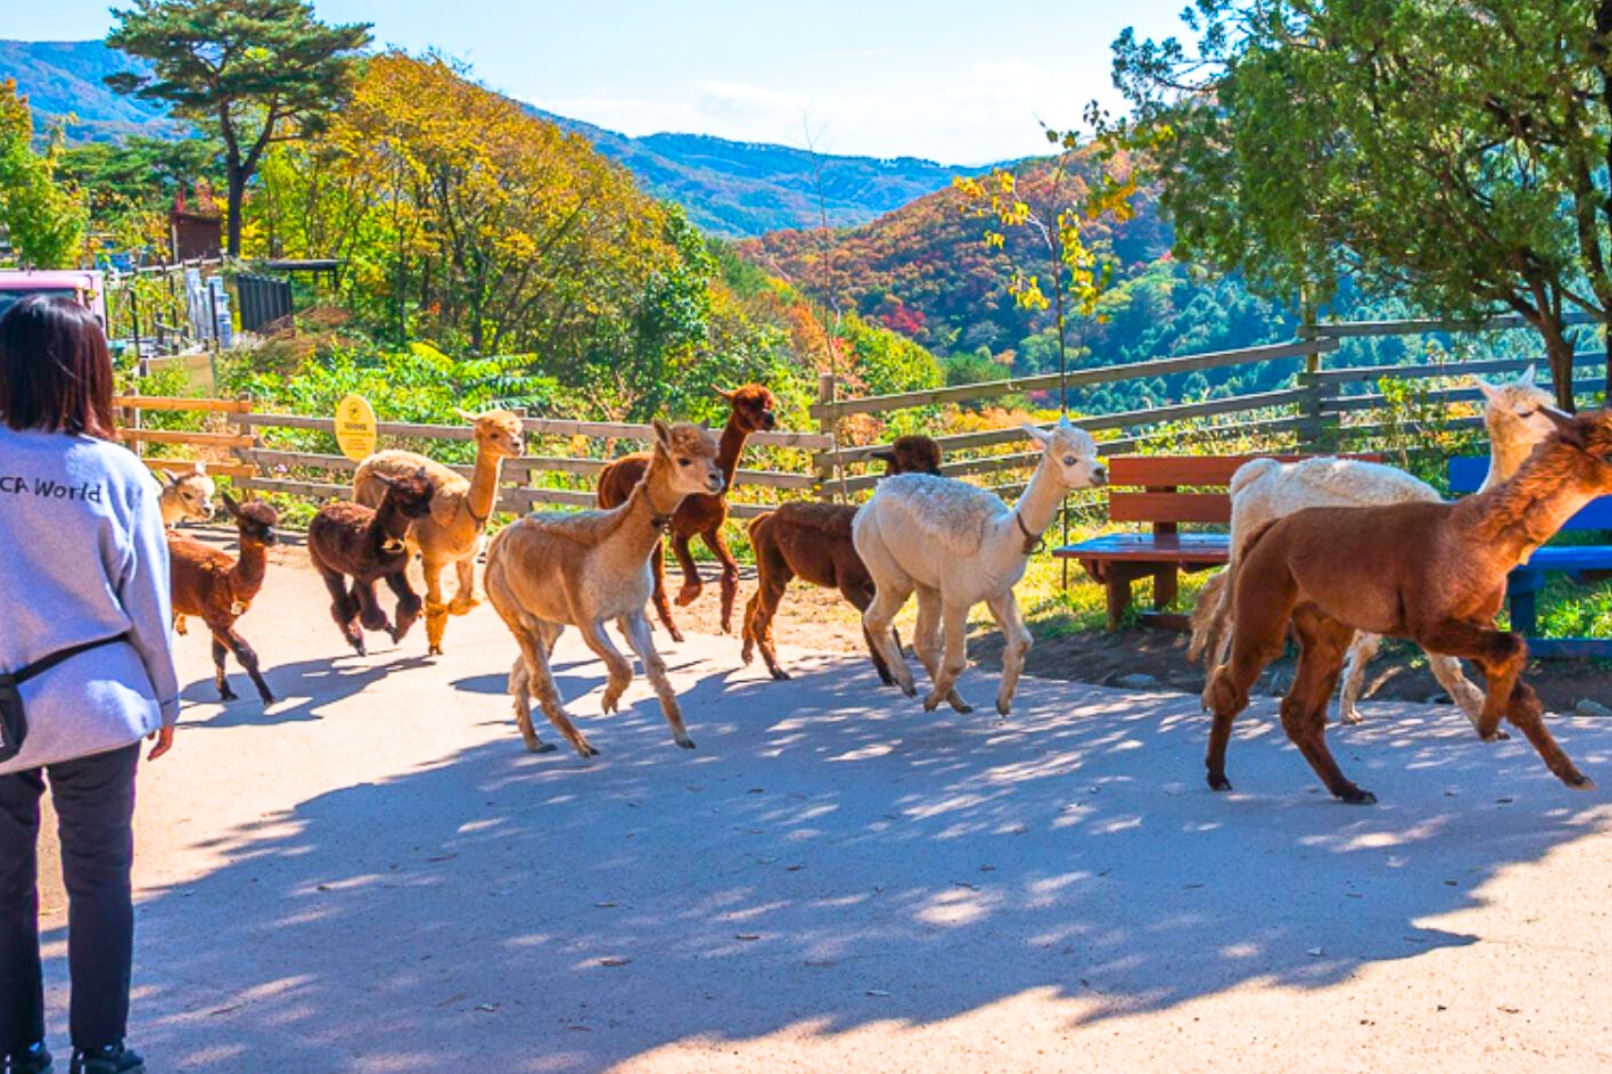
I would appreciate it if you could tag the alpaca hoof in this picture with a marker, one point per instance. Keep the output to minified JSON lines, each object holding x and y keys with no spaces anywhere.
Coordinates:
{"x":433,"y":650}
{"x":226,"y":694}
{"x":1352,"y":718}
{"x":1356,"y":796}
{"x":462,"y":605}
{"x":909,"y":689}
{"x":931,"y":702}
{"x":685,"y":742}
{"x":780,"y":674}
{"x":675,"y":634}
{"x":585,"y":750}
{"x":611,"y":702}
{"x":688,"y":595}
{"x":1004,"y":708}
{"x":537,"y":745}
{"x":885,"y":678}
{"x":1494,"y":736}
{"x":1578,"y":781}
{"x":1219,"y":782}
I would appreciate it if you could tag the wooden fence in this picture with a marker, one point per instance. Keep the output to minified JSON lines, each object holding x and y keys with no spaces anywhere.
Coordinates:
{"x":1324,"y":409}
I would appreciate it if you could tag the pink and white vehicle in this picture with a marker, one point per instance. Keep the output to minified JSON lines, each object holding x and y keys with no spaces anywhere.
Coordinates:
{"x":86,"y":287}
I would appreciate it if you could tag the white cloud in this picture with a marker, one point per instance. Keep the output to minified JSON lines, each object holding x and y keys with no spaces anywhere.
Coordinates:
{"x":990,"y":112}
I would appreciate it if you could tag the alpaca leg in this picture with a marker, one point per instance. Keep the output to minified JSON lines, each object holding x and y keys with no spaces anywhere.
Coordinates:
{"x":620,"y":672}
{"x":954,"y":624}
{"x":887,"y":601}
{"x":861,"y":597}
{"x":436,"y":612}
{"x":1016,"y":646}
{"x":343,"y":609}
{"x":663,"y":607}
{"x":248,"y":658}
{"x":691,"y":572}
{"x":540,"y":680}
{"x":1323,"y":643}
{"x":1361,"y":651}
{"x":179,"y":626}
{"x":520,"y":692}
{"x":464,"y":595}
{"x":929,"y":644}
{"x":220,"y":680}
{"x":759,"y":613}
{"x":717,"y":542}
{"x":1527,"y":715}
{"x":1447,"y":670}
{"x":370,"y":613}
{"x":1499,"y":655}
{"x":408,"y":604}
{"x":1260,"y":638}
{"x":643,"y":643}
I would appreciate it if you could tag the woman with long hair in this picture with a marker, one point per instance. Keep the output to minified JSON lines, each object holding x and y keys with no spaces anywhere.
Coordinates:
{"x":86,"y":672}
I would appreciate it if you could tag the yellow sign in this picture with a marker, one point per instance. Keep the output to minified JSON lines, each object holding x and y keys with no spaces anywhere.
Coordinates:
{"x":355,"y":427}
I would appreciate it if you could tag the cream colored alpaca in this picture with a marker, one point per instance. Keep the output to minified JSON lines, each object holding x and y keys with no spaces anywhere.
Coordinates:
{"x":451,"y":534}
{"x":186,"y":495}
{"x":1265,"y":490}
{"x":958,"y":546}
{"x":550,"y":571}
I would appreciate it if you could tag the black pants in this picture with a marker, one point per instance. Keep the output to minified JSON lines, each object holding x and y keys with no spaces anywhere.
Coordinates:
{"x":94,"y":800}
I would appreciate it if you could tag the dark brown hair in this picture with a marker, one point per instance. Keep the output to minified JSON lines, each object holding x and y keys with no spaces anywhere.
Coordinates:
{"x":55,"y":370}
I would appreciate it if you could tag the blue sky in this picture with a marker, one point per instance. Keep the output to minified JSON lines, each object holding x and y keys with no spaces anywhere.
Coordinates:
{"x":956,"y":82}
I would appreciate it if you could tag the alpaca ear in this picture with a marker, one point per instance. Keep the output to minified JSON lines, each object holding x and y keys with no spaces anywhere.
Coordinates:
{"x":663,"y":435}
{"x":230,"y":505}
{"x":725,"y":393}
{"x":1490,"y":391}
{"x":1567,"y":426}
{"x":1527,"y":378}
{"x":200,"y":468}
{"x":1038,"y":434}
{"x":166,"y":479}
{"x":464,"y":415}
{"x":422,"y":475}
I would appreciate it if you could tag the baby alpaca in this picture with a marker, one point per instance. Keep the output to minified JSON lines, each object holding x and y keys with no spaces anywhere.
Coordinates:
{"x":349,"y":539}
{"x":218,"y":588}
{"x":188,"y":495}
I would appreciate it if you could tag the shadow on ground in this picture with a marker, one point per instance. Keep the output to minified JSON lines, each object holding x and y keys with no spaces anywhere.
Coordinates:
{"x":855,"y":860}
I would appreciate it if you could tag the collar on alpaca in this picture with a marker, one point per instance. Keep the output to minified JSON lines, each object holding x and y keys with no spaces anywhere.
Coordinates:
{"x":393,"y":546}
{"x":1033,"y":542}
{"x":661,"y":523}
{"x":479,"y":520}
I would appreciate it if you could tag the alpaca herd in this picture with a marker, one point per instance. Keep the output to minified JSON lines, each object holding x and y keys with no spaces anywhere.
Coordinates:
{"x":1337,"y":553}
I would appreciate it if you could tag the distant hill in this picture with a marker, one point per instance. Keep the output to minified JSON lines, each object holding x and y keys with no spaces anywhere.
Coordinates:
{"x":731,"y":189}
{"x":64,"y":78}
{"x":743,"y":189}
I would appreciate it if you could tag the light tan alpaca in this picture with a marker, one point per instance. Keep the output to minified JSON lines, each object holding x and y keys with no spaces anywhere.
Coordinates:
{"x":550,"y":571}
{"x":451,"y":533}
{"x":186,"y":495}
{"x":1264,"y":490}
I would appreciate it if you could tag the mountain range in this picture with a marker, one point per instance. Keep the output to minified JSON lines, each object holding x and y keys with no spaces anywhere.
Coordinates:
{"x":730,"y":189}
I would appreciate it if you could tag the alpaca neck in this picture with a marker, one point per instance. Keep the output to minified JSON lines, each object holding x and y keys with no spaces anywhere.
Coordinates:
{"x":728,"y":450}
{"x":246,"y":577}
{"x":483,"y":494}
{"x":652,"y":502}
{"x":1038,"y":504}
{"x":389,"y":523}
{"x":1518,"y":515}
{"x":1506,"y":456}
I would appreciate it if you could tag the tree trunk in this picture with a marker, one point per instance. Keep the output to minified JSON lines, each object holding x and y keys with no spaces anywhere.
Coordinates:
{"x":1559,"y":353}
{"x":237,"y":198}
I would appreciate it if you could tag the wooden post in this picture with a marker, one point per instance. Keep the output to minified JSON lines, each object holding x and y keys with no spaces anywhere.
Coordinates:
{"x":827,"y":425}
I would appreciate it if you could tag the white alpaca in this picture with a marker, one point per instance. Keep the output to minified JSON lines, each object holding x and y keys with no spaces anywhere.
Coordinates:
{"x":186,"y":495}
{"x":958,"y":546}
{"x":1264,"y":490}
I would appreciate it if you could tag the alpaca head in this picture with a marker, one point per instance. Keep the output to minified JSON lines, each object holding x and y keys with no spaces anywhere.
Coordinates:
{"x":498,"y":432}
{"x":192,"y":490}
{"x":910,"y":455}
{"x":254,"y":521}
{"x":752,"y":407}
{"x":689,"y":453}
{"x":411,"y":494}
{"x":1514,"y":411}
{"x":1071,"y":453}
{"x":1588,"y":437}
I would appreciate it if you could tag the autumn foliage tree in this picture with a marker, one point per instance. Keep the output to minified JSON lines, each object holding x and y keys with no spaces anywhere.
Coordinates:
{"x":43,"y":217}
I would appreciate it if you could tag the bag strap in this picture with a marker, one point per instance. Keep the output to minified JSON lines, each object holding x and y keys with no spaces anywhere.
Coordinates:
{"x":44,"y":664}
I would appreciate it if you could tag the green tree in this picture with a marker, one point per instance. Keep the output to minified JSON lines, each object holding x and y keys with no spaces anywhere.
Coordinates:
{"x":44,"y":218}
{"x":255,"y":72}
{"x":1454,"y":154}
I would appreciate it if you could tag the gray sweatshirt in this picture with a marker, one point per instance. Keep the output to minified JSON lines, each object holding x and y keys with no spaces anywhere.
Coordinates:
{"x":83,"y":557}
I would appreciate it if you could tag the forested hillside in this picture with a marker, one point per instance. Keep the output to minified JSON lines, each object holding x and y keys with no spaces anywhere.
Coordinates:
{"x":63,"y":81}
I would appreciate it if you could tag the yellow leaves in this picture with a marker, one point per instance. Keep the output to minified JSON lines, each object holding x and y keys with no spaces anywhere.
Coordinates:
{"x":994,"y":240}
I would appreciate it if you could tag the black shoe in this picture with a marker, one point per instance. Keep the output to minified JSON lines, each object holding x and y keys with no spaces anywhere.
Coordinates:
{"x":112,"y":1059}
{"x":34,"y":1060}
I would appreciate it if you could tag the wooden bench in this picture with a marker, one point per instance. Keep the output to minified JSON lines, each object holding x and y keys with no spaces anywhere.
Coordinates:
{"x":1146,"y":489}
{"x":1585,"y":562}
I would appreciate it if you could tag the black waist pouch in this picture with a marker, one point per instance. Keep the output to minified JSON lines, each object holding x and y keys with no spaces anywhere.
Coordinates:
{"x":13,"y":720}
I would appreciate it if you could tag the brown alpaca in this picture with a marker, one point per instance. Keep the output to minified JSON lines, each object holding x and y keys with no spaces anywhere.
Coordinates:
{"x":451,"y":533}
{"x":702,"y":515}
{"x":812,"y":541}
{"x":1434,"y":573}
{"x":349,"y":539}
{"x":218,"y":588}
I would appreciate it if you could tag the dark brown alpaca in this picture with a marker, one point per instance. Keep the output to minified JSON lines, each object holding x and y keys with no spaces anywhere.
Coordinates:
{"x":702,"y":516}
{"x":349,"y":539}
{"x":812,"y":541}
{"x":218,"y":588}
{"x":1434,"y":573}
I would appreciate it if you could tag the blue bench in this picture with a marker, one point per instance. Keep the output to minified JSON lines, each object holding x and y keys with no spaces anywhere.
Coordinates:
{"x":1583,"y":561}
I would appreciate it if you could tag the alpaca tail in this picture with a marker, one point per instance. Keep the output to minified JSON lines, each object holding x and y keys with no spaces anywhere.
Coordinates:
{"x":1250,"y":472}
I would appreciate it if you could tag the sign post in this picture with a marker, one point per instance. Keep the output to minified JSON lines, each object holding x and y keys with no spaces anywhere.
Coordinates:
{"x":355,"y":427}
